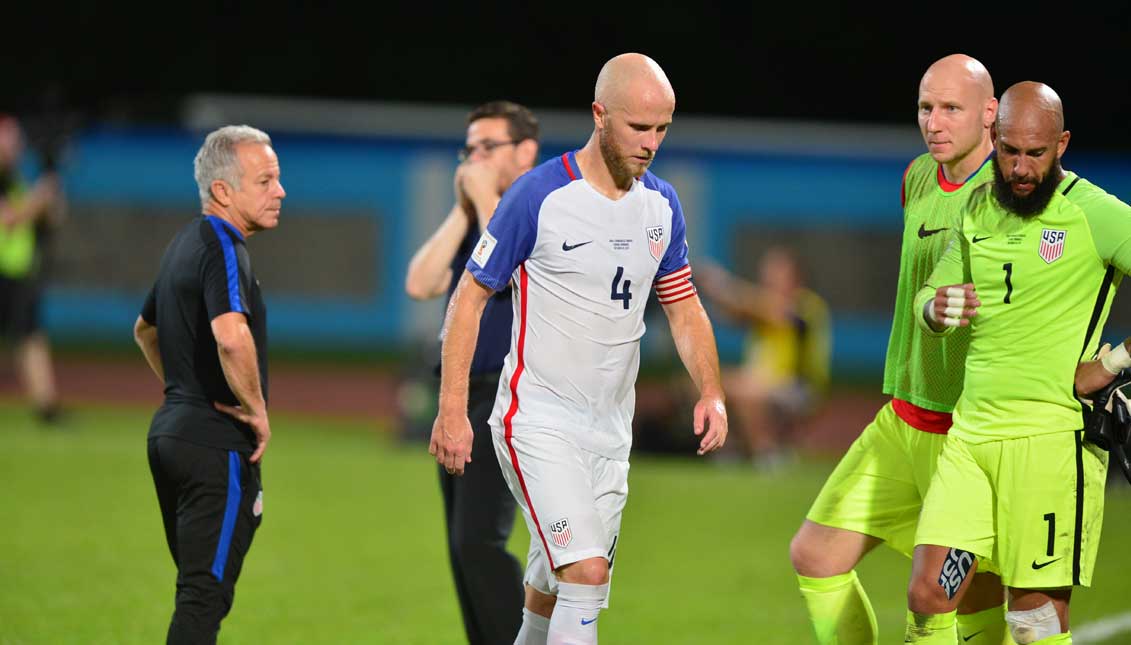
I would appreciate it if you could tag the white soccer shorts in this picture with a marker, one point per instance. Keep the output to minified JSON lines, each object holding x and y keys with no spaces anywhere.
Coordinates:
{"x":572,"y":500}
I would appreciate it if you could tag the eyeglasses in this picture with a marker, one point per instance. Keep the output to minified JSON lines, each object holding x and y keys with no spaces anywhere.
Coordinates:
{"x":486,"y":146}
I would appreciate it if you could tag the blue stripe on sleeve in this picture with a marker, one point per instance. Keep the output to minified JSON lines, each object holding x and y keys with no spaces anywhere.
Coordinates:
{"x":230,"y":263}
{"x":235,"y":493}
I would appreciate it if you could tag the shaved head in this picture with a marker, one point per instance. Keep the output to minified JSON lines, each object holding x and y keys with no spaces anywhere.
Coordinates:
{"x":960,"y":69}
{"x":956,"y":111}
{"x":1032,"y":105}
{"x":1030,"y":139}
{"x":633,"y":104}
{"x":632,"y":77}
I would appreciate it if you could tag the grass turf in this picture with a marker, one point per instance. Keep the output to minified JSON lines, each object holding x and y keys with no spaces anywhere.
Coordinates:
{"x":351,"y":548}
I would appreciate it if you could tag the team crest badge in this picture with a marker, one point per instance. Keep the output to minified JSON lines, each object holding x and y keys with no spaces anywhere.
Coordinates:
{"x":560,"y":533}
{"x":655,"y":241}
{"x":1052,"y":245}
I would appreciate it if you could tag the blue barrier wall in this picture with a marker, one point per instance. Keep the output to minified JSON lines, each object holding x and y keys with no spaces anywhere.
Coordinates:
{"x":129,"y":189}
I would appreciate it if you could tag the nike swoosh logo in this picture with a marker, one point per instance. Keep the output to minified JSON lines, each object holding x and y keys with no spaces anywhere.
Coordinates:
{"x":583,"y":621}
{"x":966,"y":638}
{"x":1043,"y":564}
{"x":570,"y":247}
{"x":980,"y":239}
{"x":928,"y":232}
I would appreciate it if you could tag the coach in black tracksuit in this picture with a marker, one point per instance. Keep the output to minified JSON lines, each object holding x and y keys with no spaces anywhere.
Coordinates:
{"x":203,"y":330}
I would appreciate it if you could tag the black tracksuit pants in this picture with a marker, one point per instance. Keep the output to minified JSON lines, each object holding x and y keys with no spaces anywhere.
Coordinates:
{"x":211,"y":504}
{"x":479,"y":512}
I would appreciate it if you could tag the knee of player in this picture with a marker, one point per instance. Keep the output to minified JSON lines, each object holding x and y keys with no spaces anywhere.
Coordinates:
{"x":591,"y":571}
{"x":925,"y":596}
{"x":813,"y":559}
{"x":805,"y":558}
{"x":1034,"y":625}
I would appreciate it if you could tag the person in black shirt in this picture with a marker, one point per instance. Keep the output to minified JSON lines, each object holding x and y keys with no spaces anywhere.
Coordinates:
{"x":203,"y":331}
{"x":501,"y":145}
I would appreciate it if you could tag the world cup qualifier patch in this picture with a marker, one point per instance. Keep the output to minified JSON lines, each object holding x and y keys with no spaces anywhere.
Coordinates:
{"x":560,"y":533}
{"x":483,"y":249}
{"x":1052,"y":245}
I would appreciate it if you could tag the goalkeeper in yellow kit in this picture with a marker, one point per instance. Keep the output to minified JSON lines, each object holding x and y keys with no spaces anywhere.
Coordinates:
{"x":1032,"y":274}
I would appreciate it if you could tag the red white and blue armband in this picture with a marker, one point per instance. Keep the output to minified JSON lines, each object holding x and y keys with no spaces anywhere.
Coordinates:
{"x":675,"y":286}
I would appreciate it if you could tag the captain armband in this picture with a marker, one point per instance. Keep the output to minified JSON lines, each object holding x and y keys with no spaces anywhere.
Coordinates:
{"x":675,"y":286}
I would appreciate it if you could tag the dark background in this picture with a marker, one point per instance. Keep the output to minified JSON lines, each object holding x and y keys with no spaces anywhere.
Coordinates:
{"x":832,"y":62}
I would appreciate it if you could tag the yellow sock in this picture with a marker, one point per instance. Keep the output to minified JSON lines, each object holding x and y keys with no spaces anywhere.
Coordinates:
{"x":986,"y":627}
{"x":839,"y":610}
{"x":933,"y":629}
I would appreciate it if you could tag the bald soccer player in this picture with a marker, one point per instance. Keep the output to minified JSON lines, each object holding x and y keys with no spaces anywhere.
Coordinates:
{"x":582,"y":237}
{"x":1032,"y":274}
{"x":876,"y":491}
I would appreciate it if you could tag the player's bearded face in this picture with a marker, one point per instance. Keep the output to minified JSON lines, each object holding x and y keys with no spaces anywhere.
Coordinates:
{"x":619,"y":161}
{"x":1021,"y":191}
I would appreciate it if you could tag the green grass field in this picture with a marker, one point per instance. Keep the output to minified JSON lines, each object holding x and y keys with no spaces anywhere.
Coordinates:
{"x":351,"y":548}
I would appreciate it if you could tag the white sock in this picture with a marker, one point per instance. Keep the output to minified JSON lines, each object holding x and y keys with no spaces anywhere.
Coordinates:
{"x":574,"y":621}
{"x":534,"y":629}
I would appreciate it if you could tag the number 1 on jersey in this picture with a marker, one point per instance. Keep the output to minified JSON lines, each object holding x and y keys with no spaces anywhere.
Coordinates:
{"x":1008,"y":268}
{"x":1051,"y":519}
{"x":621,"y":295}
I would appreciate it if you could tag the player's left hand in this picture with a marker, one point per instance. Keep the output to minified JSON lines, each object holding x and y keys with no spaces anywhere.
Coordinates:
{"x":711,"y":422}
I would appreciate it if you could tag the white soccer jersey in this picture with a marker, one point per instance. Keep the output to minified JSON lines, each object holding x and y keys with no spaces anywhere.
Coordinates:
{"x":581,"y":264}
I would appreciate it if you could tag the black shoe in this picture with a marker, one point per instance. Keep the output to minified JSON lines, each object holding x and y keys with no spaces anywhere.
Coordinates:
{"x":51,"y":415}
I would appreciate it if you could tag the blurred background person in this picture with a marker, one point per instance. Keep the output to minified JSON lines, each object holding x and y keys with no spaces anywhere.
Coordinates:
{"x":785,"y":368}
{"x":28,"y":214}
{"x":501,"y":145}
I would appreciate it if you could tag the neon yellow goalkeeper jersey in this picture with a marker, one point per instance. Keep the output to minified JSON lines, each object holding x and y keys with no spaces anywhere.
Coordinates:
{"x":923,"y":369}
{"x":1046,"y":285}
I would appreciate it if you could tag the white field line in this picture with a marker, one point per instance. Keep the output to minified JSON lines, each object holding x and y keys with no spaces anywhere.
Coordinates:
{"x":1101,"y":630}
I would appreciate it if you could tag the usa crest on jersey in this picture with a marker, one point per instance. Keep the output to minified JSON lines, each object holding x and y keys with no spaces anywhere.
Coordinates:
{"x":655,"y":241}
{"x":560,"y":533}
{"x":1052,"y":245}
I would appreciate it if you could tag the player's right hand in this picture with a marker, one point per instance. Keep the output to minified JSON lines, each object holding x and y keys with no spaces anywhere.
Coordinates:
{"x":451,"y":442}
{"x":259,"y":423}
{"x":954,"y":305}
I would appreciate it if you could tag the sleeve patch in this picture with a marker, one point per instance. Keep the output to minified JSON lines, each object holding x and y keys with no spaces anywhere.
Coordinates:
{"x":483,"y":249}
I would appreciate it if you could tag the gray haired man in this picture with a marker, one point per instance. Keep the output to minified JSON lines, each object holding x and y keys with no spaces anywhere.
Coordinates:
{"x":203,"y":331}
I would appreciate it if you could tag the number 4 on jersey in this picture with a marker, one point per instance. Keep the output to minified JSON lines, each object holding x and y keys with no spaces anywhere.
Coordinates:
{"x":621,"y":295}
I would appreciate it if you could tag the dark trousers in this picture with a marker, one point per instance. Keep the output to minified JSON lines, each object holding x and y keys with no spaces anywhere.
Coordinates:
{"x":211,"y":504}
{"x":479,"y":512}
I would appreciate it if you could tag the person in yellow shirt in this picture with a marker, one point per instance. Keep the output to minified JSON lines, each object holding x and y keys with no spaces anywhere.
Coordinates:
{"x":25,"y":212}
{"x":785,"y":369}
